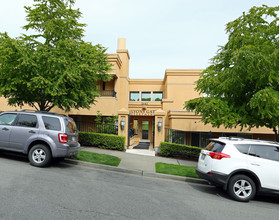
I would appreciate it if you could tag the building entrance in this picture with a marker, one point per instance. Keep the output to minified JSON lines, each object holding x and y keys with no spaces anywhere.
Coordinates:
{"x":142,"y":127}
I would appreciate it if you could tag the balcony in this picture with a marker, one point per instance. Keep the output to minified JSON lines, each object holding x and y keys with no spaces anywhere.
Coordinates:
{"x":107,"y":93}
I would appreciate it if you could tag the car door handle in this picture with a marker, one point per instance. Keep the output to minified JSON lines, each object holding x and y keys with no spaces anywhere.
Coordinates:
{"x":255,"y":164}
{"x":32,"y":132}
{"x":5,"y":129}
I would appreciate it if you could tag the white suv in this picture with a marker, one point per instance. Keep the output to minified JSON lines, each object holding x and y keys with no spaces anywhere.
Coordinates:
{"x":243,"y":167}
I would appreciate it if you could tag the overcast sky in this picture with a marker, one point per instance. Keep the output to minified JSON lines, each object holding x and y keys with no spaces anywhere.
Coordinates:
{"x":160,"y":34}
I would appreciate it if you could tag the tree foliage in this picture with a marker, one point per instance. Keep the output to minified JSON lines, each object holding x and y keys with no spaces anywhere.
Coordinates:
{"x":241,"y":86}
{"x":54,"y":66}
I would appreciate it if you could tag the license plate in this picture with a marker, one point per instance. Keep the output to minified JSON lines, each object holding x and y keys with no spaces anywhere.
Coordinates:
{"x":73,"y":139}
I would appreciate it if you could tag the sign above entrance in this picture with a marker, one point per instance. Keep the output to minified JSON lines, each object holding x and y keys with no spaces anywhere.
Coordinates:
{"x":142,"y":112}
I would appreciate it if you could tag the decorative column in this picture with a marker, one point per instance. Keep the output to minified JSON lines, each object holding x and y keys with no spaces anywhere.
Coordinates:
{"x":159,"y":128}
{"x":123,"y":124}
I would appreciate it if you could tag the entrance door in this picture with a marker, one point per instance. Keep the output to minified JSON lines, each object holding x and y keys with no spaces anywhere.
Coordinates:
{"x":144,"y":128}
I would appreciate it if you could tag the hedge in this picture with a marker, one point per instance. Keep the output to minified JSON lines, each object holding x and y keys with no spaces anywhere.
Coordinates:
{"x":179,"y":150}
{"x":105,"y":141}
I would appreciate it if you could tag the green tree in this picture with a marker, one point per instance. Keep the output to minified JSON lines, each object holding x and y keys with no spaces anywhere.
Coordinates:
{"x":241,"y":86}
{"x":54,"y":66}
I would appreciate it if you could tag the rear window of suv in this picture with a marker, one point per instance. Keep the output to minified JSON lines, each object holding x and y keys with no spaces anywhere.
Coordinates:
{"x":70,"y":125}
{"x":215,"y":146}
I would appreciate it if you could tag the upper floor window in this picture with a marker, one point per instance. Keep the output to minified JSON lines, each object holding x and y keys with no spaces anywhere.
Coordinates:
{"x":146,"y":96}
{"x":134,"y":96}
{"x":157,"y":96}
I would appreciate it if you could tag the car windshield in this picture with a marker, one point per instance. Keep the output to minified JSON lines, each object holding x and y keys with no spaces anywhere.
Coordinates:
{"x":70,"y":125}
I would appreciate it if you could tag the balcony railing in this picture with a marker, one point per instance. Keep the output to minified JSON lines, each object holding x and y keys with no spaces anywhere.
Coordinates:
{"x":108,"y":93}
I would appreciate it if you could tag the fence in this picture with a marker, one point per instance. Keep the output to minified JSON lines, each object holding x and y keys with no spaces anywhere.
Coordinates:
{"x":175,"y":136}
{"x":87,"y":126}
{"x":110,"y":93}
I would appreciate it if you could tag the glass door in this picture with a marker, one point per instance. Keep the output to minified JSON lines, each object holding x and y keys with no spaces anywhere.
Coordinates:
{"x":144,"y":129}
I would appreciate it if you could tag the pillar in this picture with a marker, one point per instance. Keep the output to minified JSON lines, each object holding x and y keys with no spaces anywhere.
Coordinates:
{"x":123,"y":115}
{"x":160,"y":115}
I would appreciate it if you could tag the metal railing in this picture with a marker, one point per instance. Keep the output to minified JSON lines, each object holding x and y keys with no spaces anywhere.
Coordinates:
{"x":107,"y":93}
{"x":87,"y":126}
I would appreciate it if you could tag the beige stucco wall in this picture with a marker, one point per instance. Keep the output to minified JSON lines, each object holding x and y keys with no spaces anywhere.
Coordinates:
{"x":188,"y":121}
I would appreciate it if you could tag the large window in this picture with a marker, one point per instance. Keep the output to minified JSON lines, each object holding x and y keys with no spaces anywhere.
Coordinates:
{"x":146,"y":96}
{"x":134,"y":96}
{"x":157,"y":96}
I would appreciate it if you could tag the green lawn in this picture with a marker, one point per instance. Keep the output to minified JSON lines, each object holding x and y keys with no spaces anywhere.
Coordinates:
{"x":178,"y":170}
{"x":98,"y":158}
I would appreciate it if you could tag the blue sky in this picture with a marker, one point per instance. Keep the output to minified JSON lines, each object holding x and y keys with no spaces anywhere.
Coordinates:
{"x":160,"y":34}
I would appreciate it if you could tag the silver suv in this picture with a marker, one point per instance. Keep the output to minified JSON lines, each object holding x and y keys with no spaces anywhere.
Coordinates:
{"x":243,"y":167}
{"x":40,"y":135}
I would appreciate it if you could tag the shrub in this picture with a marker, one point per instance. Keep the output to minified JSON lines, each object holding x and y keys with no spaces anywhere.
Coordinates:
{"x":105,"y":141}
{"x":178,"y":150}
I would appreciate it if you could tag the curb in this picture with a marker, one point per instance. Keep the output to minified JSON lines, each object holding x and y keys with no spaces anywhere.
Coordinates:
{"x":135,"y":172}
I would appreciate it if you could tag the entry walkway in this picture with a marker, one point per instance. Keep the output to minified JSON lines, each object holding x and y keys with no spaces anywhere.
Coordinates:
{"x":145,"y":163}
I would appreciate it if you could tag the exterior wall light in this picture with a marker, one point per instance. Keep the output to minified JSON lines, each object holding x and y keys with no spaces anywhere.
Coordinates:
{"x":160,"y":123}
{"x":122,"y":123}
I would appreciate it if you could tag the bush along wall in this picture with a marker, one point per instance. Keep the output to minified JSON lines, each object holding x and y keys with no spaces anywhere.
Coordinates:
{"x":178,"y":150}
{"x":105,"y":141}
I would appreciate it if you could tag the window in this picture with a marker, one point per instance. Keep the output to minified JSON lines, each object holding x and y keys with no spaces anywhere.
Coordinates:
{"x":136,"y":127}
{"x":157,"y":96}
{"x":70,"y":125}
{"x":215,"y":147}
{"x":265,"y":151}
{"x":52,"y":123}
{"x":134,"y":96}
{"x":7,"y":119}
{"x":242,"y":148}
{"x":146,"y":96}
{"x":27,"y":121}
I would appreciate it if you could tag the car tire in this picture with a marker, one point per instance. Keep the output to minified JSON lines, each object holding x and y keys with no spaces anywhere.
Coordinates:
{"x":242,"y":188}
{"x":39,"y":155}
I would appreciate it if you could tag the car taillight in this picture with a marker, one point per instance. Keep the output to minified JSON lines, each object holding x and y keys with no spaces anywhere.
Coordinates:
{"x":218,"y":156}
{"x":63,"y":138}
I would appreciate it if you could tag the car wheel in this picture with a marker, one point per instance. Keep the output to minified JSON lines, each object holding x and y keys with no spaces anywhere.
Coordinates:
{"x":39,"y":155}
{"x":242,"y":188}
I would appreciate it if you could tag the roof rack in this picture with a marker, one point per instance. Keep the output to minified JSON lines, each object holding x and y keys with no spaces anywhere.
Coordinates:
{"x":41,"y":112}
{"x":28,"y":110}
{"x":232,"y":138}
{"x":245,"y":139}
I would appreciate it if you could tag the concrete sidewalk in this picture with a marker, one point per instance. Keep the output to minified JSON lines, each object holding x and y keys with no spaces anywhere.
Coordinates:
{"x":139,"y":162}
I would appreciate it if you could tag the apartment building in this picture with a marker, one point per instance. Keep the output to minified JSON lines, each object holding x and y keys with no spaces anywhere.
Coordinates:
{"x":152,"y":110}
